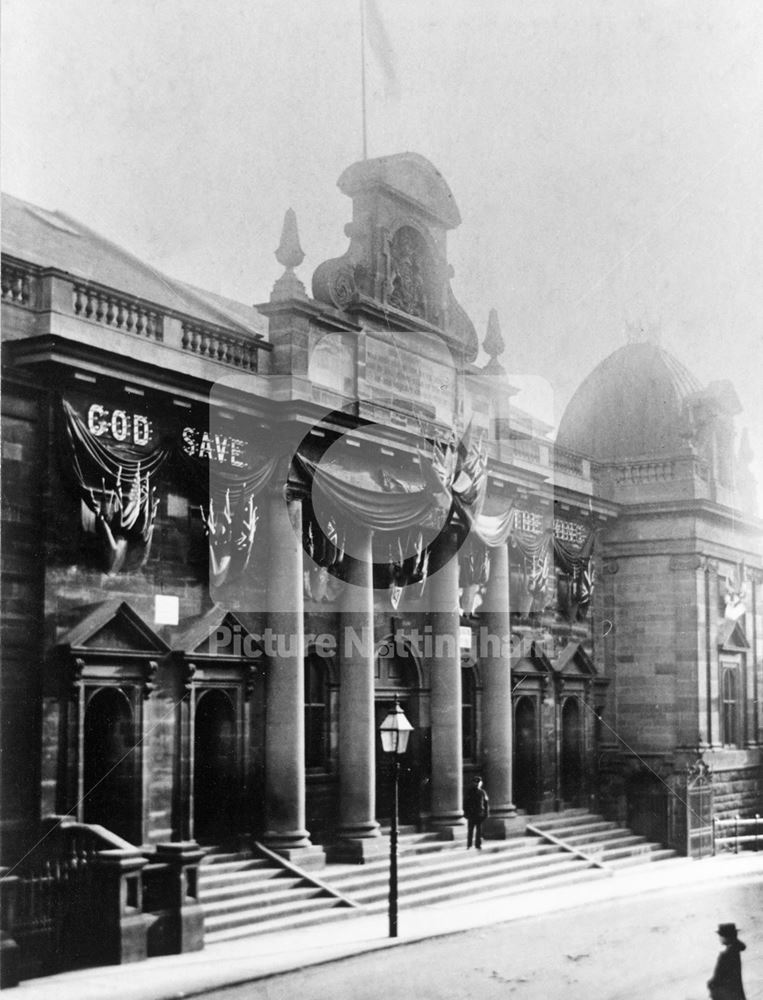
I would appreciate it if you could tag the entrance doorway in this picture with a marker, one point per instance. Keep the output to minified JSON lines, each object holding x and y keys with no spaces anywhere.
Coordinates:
{"x":214,"y":779}
{"x":110,"y":789}
{"x":397,"y":677}
{"x":571,"y":753}
{"x":526,"y":783}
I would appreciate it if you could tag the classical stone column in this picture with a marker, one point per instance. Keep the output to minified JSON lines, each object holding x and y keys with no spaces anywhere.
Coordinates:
{"x":445,"y":691}
{"x":359,"y":830}
{"x":285,"y":714}
{"x":494,"y":649}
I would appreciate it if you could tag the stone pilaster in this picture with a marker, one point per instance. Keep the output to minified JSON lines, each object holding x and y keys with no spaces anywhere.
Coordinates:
{"x":497,"y":725}
{"x":445,"y":667}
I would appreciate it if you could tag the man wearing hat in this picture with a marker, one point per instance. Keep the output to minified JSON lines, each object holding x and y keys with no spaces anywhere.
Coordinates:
{"x":726,"y":983}
{"x":476,"y":809}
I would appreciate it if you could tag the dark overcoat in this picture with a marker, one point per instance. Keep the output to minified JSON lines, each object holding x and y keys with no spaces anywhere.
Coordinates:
{"x":726,"y":983}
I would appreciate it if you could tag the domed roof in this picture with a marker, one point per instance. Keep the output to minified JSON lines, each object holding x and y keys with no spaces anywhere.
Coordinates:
{"x":630,"y":406}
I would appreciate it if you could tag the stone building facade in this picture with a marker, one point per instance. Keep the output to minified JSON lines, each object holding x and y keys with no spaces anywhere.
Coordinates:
{"x":234,"y":537}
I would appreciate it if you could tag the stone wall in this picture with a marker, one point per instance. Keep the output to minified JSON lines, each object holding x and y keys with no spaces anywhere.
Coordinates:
{"x":23,"y":471}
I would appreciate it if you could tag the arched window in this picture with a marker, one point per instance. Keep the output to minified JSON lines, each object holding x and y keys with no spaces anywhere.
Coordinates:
{"x":316,"y":713}
{"x":468,"y":714}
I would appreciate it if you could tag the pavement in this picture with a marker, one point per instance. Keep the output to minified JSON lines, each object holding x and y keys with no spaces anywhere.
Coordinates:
{"x":264,"y":955}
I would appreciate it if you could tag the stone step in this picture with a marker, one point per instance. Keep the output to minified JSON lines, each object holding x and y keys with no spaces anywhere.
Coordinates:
{"x":244,"y":864}
{"x":564,"y":815}
{"x":602,"y":840}
{"x":245,"y":895}
{"x":580,"y":829}
{"x":497,"y":884}
{"x":563,"y":820}
{"x":656,"y":853}
{"x":550,"y":881}
{"x":257,"y":913}
{"x":249,"y":876}
{"x":346,"y":877}
{"x":273,"y":924}
{"x":462,"y":873}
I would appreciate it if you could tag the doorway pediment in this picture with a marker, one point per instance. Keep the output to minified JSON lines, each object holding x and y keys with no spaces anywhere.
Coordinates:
{"x":219,"y":633}
{"x":574,"y":661}
{"x":113,"y":627}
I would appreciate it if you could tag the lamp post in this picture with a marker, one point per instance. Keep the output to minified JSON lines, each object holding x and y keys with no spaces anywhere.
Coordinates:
{"x":395,"y":731}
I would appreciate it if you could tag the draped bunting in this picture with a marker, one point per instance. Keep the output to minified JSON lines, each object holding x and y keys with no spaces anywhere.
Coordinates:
{"x":118,"y":502}
{"x":454,"y":483}
{"x":230,"y":519}
{"x":230,"y":535}
{"x":493,"y":530}
{"x":405,"y":570}
{"x":473,"y":571}
{"x":576,"y":580}
{"x":535,"y":553}
{"x":380,"y":511}
{"x":238,"y":484}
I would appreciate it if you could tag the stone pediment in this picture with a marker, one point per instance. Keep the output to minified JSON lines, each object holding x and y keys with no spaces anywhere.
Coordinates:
{"x":532,"y":661}
{"x":218,"y":633}
{"x":114,"y":626}
{"x":574,"y":661}
{"x":732,"y":636}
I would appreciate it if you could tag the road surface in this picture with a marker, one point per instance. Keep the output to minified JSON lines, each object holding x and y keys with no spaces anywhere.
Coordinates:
{"x":661,"y":946}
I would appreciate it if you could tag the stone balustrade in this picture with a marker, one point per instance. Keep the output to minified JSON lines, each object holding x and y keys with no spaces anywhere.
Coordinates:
{"x":55,"y":292}
{"x":19,"y":284}
{"x":659,"y":471}
{"x":567,"y":461}
{"x":117,"y":311}
{"x":527,"y":448}
{"x":210,"y":342}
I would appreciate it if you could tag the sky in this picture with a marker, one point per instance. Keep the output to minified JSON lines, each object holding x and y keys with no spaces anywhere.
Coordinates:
{"x":605,"y":157}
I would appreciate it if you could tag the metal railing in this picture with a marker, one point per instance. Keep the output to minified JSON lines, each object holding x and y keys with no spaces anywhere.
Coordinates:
{"x":734,"y":833}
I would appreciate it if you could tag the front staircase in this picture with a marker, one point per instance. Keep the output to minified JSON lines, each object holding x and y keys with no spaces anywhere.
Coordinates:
{"x":242,"y":893}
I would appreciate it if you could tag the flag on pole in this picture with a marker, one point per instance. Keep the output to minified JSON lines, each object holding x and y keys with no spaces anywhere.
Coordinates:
{"x":380,"y":45}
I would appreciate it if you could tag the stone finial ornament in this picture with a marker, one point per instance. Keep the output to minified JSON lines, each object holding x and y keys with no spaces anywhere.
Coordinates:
{"x":289,"y":252}
{"x":291,"y":255}
{"x":493,"y":344}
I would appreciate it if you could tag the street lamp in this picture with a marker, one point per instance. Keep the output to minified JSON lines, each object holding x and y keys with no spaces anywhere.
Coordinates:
{"x":395,"y":731}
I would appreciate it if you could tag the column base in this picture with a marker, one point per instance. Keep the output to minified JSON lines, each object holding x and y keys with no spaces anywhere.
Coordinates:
{"x":357,"y":850}
{"x":360,"y":831}
{"x":278,"y":840}
{"x":503,"y":827}
{"x":309,"y":858}
{"x":449,"y":829}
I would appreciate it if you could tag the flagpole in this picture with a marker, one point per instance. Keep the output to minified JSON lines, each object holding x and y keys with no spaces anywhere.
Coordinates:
{"x":363,"y":75}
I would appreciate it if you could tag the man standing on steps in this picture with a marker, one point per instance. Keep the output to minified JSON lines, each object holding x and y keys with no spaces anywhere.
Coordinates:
{"x":476,"y":810}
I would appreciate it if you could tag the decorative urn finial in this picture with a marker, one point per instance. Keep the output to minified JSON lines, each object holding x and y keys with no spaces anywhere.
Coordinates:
{"x":493,"y":344}
{"x":291,"y":255}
